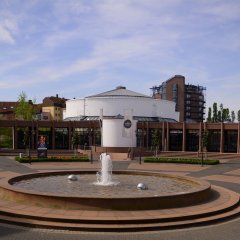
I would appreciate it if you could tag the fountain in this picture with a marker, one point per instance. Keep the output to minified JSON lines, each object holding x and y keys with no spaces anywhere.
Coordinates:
{"x":120,"y":197}
{"x":104,"y":177}
{"x":121,"y":191}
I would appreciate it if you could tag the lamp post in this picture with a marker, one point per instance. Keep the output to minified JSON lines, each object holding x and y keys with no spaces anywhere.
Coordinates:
{"x":201,"y":135}
{"x":201,"y":149}
{"x":141,"y":135}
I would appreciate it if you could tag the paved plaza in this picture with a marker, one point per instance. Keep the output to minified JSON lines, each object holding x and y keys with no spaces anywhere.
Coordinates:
{"x":226,"y":175}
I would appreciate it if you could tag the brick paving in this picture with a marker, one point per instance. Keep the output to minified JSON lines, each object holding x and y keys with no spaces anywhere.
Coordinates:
{"x":223,"y":178}
{"x":226,"y":174}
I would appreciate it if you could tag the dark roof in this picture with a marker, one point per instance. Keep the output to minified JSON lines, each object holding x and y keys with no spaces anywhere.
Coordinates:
{"x":8,"y":106}
{"x":54,"y":101}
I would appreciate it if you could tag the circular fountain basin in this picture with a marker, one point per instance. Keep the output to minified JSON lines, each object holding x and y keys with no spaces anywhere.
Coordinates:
{"x":53,"y":189}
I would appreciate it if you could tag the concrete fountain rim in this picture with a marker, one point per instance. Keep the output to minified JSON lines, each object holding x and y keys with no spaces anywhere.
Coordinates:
{"x":202,"y":184}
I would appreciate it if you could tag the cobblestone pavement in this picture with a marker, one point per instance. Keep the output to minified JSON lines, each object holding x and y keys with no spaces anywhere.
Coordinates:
{"x":226,"y":175}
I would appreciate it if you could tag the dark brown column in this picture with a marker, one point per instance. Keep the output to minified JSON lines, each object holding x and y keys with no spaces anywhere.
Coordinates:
{"x":184,"y":137}
{"x":70,"y":132}
{"x":147,"y":136}
{"x":167,"y":147}
{"x":222,"y":139}
{"x":53,"y":136}
{"x":163,"y":136}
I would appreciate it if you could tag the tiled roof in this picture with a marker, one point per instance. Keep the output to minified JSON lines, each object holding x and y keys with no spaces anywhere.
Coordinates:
{"x":8,"y":106}
{"x":54,"y":101}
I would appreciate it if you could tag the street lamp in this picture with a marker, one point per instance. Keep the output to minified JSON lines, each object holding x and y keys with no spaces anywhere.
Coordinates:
{"x":201,"y":143}
{"x":141,"y":134}
{"x":201,"y":149}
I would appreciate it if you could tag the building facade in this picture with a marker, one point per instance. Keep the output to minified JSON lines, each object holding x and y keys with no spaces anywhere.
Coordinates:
{"x":190,"y":99}
{"x":53,"y":108}
{"x":123,"y":119}
{"x":7,"y":110}
{"x":175,"y":136}
{"x":119,"y":110}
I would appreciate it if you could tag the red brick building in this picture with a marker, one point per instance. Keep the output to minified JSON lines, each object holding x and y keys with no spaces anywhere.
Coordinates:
{"x":190,"y":99}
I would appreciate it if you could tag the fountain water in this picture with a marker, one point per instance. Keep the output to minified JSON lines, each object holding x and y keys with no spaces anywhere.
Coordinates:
{"x":104,"y":177}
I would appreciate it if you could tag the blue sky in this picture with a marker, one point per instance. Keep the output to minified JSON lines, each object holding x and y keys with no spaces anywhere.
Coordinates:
{"x":77,"y":48}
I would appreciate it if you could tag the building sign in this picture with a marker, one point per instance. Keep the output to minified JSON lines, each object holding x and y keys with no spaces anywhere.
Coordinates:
{"x":127,"y":123}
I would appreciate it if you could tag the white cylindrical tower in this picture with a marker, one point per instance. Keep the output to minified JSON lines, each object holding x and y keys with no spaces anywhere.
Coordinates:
{"x":118,"y":133}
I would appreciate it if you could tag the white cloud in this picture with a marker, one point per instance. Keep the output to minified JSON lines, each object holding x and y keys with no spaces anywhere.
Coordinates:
{"x":222,"y":10}
{"x":6,"y":35}
{"x":127,"y":41}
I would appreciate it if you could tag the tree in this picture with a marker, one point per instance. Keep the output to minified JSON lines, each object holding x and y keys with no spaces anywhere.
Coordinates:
{"x":228,"y":115}
{"x":205,"y":138}
{"x":156,"y":140}
{"x":215,"y":113}
{"x":225,"y":115}
{"x":75,"y":141}
{"x":219,"y":116}
{"x":238,"y":115}
{"x":233,"y":117}
{"x":209,"y":118}
{"x":25,"y":109}
{"x":221,"y":109}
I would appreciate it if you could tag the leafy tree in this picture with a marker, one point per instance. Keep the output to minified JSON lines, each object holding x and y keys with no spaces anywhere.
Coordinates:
{"x":205,"y":138}
{"x":156,"y":140}
{"x":27,"y":142}
{"x":219,"y":116}
{"x":215,"y":113}
{"x":25,"y":109}
{"x":238,"y":115}
{"x":228,"y":115}
{"x":209,"y":118}
{"x":233,"y":117}
{"x":75,"y":141}
{"x":221,"y":109}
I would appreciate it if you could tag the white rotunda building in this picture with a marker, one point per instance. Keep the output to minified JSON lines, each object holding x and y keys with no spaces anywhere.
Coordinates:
{"x":118,"y":111}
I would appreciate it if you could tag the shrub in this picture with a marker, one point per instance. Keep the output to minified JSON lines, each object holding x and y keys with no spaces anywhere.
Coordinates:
{"x":180,"y":160}
{"x":83,"y":158}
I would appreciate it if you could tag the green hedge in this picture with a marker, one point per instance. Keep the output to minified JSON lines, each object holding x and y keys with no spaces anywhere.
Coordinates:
{"x":53,"y":159}
{"x":180,"y":160}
